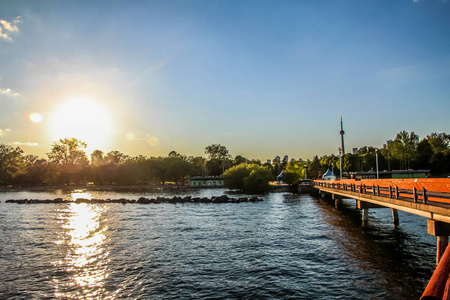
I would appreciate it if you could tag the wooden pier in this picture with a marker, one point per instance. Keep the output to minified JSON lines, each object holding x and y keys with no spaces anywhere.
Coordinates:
{"x":429,"y":198}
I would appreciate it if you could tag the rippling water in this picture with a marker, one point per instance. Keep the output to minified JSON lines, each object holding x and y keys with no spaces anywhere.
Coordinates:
{"x":287,"y":247}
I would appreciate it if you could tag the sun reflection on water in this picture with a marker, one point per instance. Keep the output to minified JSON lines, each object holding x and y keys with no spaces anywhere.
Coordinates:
{"x":79,"y":194}
{"x":82,"y":240}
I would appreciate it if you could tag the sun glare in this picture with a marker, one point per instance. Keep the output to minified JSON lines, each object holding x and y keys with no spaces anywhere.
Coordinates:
{"x":35,"y":117}
{"x":84,"y":119}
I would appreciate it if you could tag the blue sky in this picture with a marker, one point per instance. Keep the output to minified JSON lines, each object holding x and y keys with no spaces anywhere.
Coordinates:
{"x":263,"y":78}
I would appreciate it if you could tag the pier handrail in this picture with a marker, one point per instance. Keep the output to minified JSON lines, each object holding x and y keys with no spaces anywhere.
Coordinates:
{"x":438,"y":286}
{"x":433,"y":189}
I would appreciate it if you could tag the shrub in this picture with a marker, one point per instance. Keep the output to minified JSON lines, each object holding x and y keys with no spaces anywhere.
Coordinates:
{"x":250,"y":178}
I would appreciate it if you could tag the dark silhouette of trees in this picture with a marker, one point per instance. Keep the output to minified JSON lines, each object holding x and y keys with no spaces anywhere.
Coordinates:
{"x":10,"y":162}
{"x":404,"y":148}
{"x":239,"y":159}
{"x":68,"y":160}
{"x":314,"y":168}
{"x":219,"y":159}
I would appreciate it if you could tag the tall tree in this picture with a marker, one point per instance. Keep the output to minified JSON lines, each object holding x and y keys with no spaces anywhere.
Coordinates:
{"x":424,"y":154}
{"x":10,"y":162}
{"x":314,"y":169}
{"x":115,"y":157}
{"x":217,"y":151}
{"x":404,"y":147}
{"x":239,"y":159}
{"x":198,"y":165}
{"x":439,"y":141}
{"x":69,"y":158}
{"x":97,"y":158}
{"x":219,"y":159}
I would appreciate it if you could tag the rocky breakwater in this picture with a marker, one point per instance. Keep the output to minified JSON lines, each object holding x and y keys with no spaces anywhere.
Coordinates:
{"x":143,"y":200}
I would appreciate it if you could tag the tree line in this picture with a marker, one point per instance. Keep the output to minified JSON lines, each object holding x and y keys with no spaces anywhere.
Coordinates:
{"x":68,"y":164}
{"x":405,"y":152}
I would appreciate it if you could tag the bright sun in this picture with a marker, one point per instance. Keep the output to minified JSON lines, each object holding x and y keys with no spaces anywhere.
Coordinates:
{"x":82,"y":118}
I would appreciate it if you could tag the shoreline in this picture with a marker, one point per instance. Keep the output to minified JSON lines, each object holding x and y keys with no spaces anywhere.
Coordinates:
{"x":96,"y":188}
{"x":146,"y":188}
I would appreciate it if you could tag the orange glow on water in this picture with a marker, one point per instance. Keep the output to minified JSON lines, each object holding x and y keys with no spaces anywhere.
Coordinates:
{"x":86,"y":256}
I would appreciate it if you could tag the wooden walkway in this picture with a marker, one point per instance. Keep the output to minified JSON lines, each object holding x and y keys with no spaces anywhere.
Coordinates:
{"x":429,"y":198}
{"x":425,"y":197}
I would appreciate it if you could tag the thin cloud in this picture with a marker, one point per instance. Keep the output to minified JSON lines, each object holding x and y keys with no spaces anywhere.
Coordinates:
{"x":6,"y":28}
{"x":27,"y":144}
{"x":5,"y":131}
{"x":9,"y":92}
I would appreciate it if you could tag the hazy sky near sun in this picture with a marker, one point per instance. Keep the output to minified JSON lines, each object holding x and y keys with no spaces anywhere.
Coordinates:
{"x":263,"y":78}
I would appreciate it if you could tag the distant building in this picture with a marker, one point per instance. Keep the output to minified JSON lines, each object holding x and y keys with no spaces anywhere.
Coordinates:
{"x":388,"y":174}
{"x":355,"y":150}
{"x":206,"y":181}
{"x":269,"y":161}
{"x":292,"y":159}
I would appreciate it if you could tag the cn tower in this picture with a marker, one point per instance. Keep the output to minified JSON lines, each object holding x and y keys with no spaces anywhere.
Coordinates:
{"x":342,"y":137}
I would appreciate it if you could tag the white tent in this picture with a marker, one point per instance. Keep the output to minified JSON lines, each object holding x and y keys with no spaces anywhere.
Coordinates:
{"x":328,"y":175}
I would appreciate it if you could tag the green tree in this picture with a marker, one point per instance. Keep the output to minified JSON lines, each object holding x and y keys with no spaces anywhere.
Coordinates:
{"x":439,"y":142}
{"x":217,"y":151}
{"x":37,"y":173}
{"x":215,"y":167}
{"x":177,"y":168}
{"x":198,"y":165}
{"x":239,"y":159}
{"x":248,"y":178}
{"x":314,"y":169}
{"x":330,"y":162}
{"x":258,"y":180}
{"x":10,"y":163}
{"x":293,"y":173}
{"x":404,"y":147}
{"x":424,"y":154}
{"x":219,"y":159}
{"x":97,"y":158}
{"x":115,"y":157}
{"x":69,"y":159}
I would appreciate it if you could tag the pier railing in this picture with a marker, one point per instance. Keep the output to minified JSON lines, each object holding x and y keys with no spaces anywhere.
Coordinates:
{"x":429,"y":198}
{"x":417,"y":190}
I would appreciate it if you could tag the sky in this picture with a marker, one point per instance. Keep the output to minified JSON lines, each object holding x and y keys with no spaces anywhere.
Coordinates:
{"x":263,"y":78}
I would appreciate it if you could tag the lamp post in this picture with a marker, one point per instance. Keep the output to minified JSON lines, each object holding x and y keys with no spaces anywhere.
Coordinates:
{"x":340,"y":163}
{"x":305,"y":167}
{"x":376,"y":158}
{"x":332,"y":169}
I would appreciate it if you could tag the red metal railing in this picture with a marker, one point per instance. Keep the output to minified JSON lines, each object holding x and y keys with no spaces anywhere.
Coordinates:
{"x":438,"y":286}
{"x":420,"y":189}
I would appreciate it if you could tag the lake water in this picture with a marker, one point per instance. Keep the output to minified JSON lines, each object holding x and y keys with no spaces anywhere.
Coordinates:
{"x":286,"y":247}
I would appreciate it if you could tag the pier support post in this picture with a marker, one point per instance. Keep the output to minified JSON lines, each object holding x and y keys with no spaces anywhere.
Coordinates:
{"x":337,"y":200}
{"x":442,"y":242}
{"x":441,"y":230}
{"x":364,"y":206}
{"x":395,"y":219}
{"x":365,"y":215}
